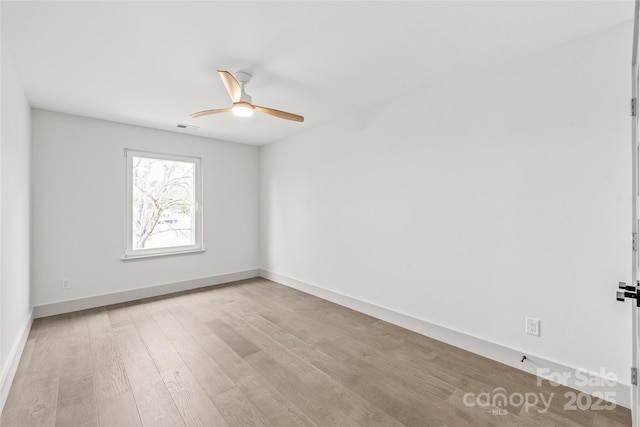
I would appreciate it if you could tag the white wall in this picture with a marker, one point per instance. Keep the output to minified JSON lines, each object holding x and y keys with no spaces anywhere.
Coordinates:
{"x":475,"y":203}
{"x":78,"y":208}
{"x":15,"y":149}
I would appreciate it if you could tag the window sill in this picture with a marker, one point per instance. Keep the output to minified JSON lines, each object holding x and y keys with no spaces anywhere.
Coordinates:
{"x":164,"y":254}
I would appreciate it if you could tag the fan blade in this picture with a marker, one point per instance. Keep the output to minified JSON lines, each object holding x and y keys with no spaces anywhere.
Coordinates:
{"x":281,"y":114}
{"x":207,"y":112}
{"x":232,"y":85}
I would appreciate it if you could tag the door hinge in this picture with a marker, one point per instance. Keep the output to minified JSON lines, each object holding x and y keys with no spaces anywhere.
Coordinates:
{"x":634,"y":106}
{"x":634,"y":241}
{"x":634,"y":376}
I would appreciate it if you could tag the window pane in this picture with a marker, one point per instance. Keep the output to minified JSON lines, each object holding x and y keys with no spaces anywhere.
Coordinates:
{"x":163,"y":203}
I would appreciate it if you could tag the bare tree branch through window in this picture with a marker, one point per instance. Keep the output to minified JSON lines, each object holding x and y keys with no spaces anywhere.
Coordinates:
{"x":163,"y":203}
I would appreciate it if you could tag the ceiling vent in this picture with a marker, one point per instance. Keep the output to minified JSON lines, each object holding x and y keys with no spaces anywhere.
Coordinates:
{"x":184,"y":126}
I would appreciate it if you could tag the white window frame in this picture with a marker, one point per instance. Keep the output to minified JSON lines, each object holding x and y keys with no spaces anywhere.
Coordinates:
{"x":129,"y":251}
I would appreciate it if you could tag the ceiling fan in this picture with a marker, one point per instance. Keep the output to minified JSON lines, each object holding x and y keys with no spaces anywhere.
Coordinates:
{"x":242,"y":105}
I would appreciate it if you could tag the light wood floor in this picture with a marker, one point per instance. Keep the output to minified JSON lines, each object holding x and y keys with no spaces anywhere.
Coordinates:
{"x":256,"y":353}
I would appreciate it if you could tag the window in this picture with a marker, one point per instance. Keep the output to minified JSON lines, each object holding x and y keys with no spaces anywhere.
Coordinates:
{"x":163,"y":204}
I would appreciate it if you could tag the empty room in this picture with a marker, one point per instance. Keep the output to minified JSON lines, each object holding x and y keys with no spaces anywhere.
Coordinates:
{"x":319,"y":213}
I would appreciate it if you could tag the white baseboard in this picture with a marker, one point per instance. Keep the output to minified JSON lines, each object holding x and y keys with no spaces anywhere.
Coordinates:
{"x":588,"y":382}
{"x":9,"y":370}
{"x":135,"y":294}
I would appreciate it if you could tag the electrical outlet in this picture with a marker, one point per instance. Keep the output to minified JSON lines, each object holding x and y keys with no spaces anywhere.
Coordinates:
{"x":532,"y":326}
{"x":66,"y":284}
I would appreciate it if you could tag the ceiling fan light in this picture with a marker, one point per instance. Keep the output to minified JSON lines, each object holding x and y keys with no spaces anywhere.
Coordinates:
{"x":242,"y":109}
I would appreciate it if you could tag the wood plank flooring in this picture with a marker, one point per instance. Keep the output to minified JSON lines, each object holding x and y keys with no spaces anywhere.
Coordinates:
{"x":255,"y":353}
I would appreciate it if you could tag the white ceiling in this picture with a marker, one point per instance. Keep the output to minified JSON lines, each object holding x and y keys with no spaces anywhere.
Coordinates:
{"x":154,"y":63}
